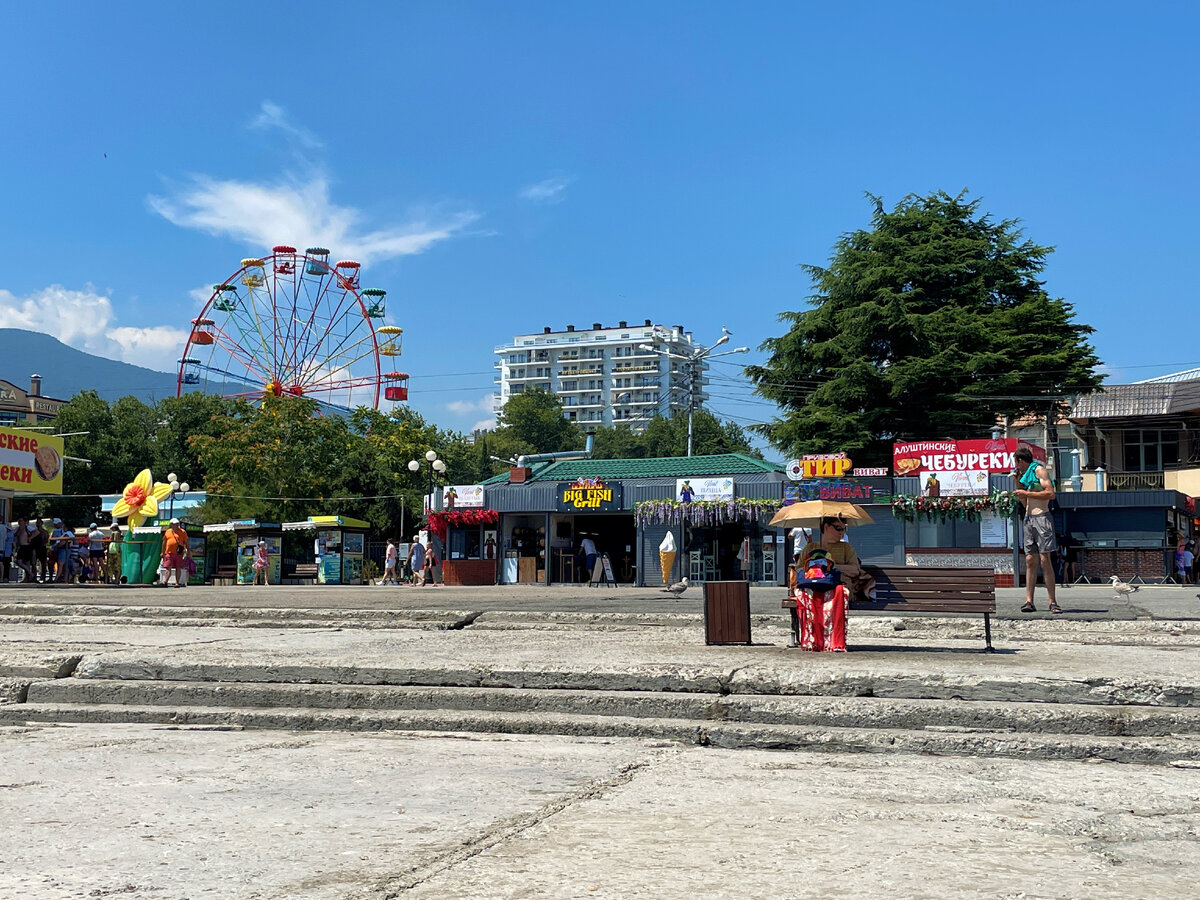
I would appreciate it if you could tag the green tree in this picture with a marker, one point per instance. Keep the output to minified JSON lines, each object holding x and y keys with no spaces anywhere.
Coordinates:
{"x":532,"y":422}
{"x":276,"y":462}
{"x":177,"y":421}
{"x":931,"y":324}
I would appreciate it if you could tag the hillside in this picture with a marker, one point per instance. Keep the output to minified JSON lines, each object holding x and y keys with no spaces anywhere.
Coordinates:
{"x":65,"y":371}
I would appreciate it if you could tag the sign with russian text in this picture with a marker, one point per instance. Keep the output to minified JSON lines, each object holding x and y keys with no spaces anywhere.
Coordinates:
{"x":30,"y":461}
{"x":462,"y":496}
{"x":688,"y":489}
{"x":819,"y":465}
{"x":588,"y":495}
{"x":958,"y":468}
{"x":833,"y":489}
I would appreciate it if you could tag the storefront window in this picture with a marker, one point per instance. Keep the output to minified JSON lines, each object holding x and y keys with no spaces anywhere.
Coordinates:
{"x":953,"y":534}
{"x":466,"y":543}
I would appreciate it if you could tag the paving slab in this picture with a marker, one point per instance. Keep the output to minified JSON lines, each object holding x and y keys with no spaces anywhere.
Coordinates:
{"x":143,"y":812}
{"x":175,"y":814}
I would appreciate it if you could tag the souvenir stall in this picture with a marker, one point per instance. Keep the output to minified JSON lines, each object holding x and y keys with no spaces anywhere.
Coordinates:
{"x":246,"y":535}
{"x":468,"y":537}
{"x":337,"y":546}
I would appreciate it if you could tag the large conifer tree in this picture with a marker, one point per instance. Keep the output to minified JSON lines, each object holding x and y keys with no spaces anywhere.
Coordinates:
{"x":932,"y":324}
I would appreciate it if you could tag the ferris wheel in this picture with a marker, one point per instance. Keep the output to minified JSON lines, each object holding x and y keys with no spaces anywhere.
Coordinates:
{"x":295,"y":324}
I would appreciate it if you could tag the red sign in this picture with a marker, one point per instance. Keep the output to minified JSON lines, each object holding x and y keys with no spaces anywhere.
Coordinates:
{"x":992,"y":456}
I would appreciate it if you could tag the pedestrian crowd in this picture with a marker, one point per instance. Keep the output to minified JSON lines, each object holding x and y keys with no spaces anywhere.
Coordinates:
{"x":421,"y":567}
{"x":31,"y":554}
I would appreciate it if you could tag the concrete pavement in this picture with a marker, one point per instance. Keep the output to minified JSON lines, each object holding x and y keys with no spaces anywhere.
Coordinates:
{"x":303,"y":742}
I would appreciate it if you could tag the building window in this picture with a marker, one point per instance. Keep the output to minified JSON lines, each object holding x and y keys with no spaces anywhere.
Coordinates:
{"x":1150,"y":449}
{"x":955,"y":534}
{"x":8,"y":419}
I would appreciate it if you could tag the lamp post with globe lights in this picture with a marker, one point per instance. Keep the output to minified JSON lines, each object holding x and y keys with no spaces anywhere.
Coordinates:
{"x":693,"y":367}
{"x":435,"y":465}
{"x":178,"y":489}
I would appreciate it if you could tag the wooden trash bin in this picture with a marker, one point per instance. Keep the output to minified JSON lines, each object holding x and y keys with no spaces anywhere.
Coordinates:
{"x":727,"y":612}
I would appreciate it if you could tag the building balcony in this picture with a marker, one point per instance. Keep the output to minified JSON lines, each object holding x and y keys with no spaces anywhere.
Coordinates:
{"x":1136,"y":481}
{"x":585,"y":370}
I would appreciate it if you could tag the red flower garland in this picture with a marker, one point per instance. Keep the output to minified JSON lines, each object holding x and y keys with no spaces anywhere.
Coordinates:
{"x":459,"y":517}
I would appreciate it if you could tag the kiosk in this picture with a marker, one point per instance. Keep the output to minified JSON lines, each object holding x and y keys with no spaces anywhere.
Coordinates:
{"x":247,"y":533}
{"x":337,"y":546}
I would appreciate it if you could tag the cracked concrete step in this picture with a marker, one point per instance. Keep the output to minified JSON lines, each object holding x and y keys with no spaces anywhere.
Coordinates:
{"x":689,"y":679}
{"x":1167,"y":750}
{"x":286,"y":617}
{"x":860,"y":712}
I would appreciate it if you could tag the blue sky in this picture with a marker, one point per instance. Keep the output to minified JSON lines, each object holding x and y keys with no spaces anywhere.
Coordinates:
{"x":500,"y":167}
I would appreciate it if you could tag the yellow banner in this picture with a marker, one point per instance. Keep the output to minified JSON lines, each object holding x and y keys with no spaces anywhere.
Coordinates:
{"x":30,"y":462}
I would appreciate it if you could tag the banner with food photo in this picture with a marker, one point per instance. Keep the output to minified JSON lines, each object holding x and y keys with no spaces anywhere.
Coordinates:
{"x":958,"y":468}
{"x":30,"y":461}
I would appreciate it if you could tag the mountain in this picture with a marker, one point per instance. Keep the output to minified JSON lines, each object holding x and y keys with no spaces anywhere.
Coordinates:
{"x":66,"y":371}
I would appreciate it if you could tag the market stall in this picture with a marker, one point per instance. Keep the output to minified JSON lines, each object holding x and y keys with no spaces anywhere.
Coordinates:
{"x":246,"y":535}
{"x":337,"y":546}
{"x":469,"y":539}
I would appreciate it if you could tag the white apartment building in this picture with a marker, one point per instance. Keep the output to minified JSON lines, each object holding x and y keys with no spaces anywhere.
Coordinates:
{"x":604,"y":376}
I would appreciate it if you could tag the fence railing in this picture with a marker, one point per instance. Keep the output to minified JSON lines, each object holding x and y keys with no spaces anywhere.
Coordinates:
{"x":1135,"y":481}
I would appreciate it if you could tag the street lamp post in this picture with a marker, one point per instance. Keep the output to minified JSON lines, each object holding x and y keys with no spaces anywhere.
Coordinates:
{"x":692,"y":367}
{"x":178,"y":489}
{"x":435,"y":465}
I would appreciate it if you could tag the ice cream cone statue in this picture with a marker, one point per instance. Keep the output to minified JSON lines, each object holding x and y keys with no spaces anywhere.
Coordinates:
{"x":666,"y":556}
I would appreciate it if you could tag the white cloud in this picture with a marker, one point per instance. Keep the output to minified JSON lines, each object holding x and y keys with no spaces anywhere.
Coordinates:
{"x":484,"y":424}
{"x":549,"y":190}
{"x":463,"y":407}
{"x":272,"y":115}
{"x":84,"y":320}
{"x":299,"y":213}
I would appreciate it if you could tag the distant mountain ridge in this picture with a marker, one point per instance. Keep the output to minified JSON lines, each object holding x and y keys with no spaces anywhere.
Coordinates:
{"x":66,"y":371}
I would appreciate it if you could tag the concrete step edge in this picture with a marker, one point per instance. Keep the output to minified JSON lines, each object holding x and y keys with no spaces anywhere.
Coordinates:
{"x":751,"y":679}
{"x":1150,"y":750}
{"x":872,"y":712}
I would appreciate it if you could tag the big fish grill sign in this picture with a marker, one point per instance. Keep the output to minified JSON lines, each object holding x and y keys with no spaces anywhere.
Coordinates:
{"x":588,"y":495}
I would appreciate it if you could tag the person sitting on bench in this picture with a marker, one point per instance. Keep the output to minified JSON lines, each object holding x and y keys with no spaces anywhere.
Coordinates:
{"x":843,"y":557}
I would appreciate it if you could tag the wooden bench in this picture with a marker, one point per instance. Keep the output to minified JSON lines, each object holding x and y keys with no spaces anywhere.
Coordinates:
{"x":224,"y":574}
{"x":925,"y":591}
{"x":301,"y":572}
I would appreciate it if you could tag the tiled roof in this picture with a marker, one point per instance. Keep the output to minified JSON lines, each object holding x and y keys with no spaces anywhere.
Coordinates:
{"x":662,"y":467}
{"x":1158,"y":398}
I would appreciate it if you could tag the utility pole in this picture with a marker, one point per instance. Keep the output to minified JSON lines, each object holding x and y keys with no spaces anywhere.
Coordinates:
{"x":692,"y":366}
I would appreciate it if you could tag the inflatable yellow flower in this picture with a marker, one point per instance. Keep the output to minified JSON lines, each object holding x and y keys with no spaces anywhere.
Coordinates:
{"x":140,"y":499}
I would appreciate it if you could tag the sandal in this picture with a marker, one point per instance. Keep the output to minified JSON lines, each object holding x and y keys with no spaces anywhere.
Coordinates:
{"x":1055,"y":608}
{"x":1029,"y":607}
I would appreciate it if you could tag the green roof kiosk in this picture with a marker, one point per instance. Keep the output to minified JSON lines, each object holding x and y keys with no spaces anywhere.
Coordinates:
{"x":337,"y":546}
{"x":247,"y":533}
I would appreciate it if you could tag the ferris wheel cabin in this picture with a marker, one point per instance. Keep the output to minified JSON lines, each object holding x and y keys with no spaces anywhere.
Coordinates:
{"x":376,"y":305}
{"x":392,"y":335}
{"x":395,"y":386}
{"x":255,"y":275}
{"x":190,"y":367}
{"x":226,"y":299}
{"x":285,"y":259}
{"x":347,"y":273}
{"x":202,"y":332}
{"x":318,"y":261}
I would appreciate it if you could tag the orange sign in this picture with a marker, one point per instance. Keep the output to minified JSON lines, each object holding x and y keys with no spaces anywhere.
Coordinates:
{"x":819,"y":465}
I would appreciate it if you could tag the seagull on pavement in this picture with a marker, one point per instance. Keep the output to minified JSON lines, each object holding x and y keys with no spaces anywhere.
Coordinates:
{"x":677,"y":588}
{"x":1121,"y":588}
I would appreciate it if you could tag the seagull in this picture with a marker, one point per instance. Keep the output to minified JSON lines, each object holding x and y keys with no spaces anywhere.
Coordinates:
{"x":1122,"y":589}
{"x":677,"y":588}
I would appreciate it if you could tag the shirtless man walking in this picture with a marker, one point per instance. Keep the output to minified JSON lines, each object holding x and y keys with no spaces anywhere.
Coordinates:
{"x":1035,"y":491}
